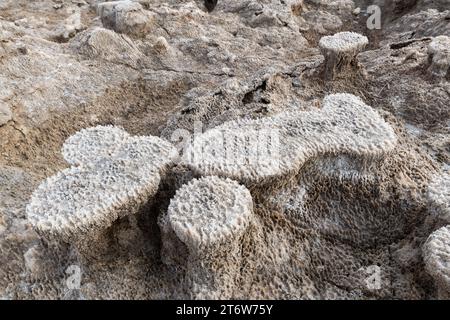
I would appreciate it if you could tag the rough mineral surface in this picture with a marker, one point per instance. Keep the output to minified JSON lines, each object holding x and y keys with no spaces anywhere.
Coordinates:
{"x":108,"y":142}
{"x":340,"y":51}
{"x":115,"y":175}
{"x":88,"y":145}
{"x":81,"y":199}
{"x":255,"y":150}
{"x":125,"y":17}
{"x":436,"y":253}
{"x":202,"y":234}
{"x":362,"y":138}
{"x":439,"y":195}
{"x":210,"y":211}
{"x":343,"y":43}
{"x":5,"y":113}
{"x":439,"y":55}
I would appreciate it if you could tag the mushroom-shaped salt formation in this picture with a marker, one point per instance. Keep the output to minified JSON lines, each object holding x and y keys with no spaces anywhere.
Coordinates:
{"x":439,"y":56}
{"x":114,"y":175}
{"x":340,"y":50}
{"x":256,"y":151}
{"x":110,"y":142}
{"x":436,"y":255}
{"x":439,"y":196}
{"x":79,"y":204}
{"x":202,"y":230}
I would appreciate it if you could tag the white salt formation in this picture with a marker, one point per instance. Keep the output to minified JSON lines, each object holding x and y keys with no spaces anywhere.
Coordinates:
{"x":202,"y":230}
{"x":88,"y":145}
{"x":93,"y":144}
{"x":82,"y":200}
{"x":439,"y":56}
{"x":253,"y":151}
{"x":436,"y":254}
{"x":340,"y":51}
{"x":210,"y":211}
{"x":439,"y":195}
{"x":436,"y":250}
{"x":343,"y":43}
{"x":114,"y":175}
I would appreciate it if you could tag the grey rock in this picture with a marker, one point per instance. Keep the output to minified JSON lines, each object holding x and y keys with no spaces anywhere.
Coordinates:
{"x":5,"y":113}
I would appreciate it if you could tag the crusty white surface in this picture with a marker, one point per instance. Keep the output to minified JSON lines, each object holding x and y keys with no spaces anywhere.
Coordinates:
{"x":344,"y":125}
{"x":343,"y":42}
{"x":210,"y":210}
{"x":436,"y":252}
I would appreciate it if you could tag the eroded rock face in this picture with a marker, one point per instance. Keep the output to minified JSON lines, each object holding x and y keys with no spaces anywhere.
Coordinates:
{"x":350,"y":185}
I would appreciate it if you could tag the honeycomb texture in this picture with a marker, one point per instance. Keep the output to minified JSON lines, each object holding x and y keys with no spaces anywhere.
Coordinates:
{"x":343,"y":43}
{"x":340,"y":51}
{"x":436,"y":252}
{"x":88,"y":145}
{"x":80,"y":200}
{"x":92,"y":144}
{"x":202,"y":232}
{"x":252,"y":151}
{"x":209,"y":211}
{"x":439,"y":56}
{"x":113,"y":175}
{"x":439,"y":195}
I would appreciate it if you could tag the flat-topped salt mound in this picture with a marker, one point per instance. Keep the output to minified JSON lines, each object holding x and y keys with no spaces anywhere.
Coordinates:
{"x":439,"y":56}
{"x":86,"y":199}
{"x":439,"y":194}
{"x":436,"y":254}
{"x":92,"y":144}
{"x":210,"y":211}
{"x":340,"y":52}
{"x":203,"y":232}
{"x":343,"y":42}
{"x":252,"y":151}
{"x":114,"y":174}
